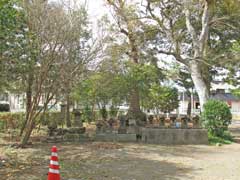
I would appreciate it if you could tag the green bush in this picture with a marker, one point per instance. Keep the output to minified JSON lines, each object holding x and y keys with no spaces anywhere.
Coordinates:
{"x":2,"y":125}
{"x":113,"y":111}
{"x":225,"y":139}
{"x":4,"y":108}
{"x":51,"y":117}
{"x":87,"y":115}
{"x":14,"y":120}
{"x":10,"y":120}
{"x":103,"y":112}
{"x":216,"y":117}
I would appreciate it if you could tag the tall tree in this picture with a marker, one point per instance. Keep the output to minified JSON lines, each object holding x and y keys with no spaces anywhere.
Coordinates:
{"x":47,"y":34}
{"x":187,"y":30}
{"x":46,"y":38}
{"x":129,"y":25}
{"x":80,"y":49}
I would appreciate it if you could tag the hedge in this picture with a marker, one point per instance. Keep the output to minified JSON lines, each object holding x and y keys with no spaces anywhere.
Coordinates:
{"x":9,"y":120}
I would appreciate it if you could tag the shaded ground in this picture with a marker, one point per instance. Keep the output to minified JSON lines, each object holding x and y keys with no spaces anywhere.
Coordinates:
{"x":117,"y":161}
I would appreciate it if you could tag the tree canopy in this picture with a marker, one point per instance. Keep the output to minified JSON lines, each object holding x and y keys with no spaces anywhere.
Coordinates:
{"x":50,"y":53}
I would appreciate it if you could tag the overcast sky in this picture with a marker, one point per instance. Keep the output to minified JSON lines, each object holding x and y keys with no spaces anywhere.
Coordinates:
{"x":96,"y":8}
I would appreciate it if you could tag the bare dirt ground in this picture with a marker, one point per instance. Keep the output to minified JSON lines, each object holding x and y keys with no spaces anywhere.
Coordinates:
{"x":118,"y":161}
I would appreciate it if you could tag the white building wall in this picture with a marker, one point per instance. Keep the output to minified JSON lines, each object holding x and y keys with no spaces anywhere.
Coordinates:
{"x":183,"y":105}
{"x":16,"y":103}
{"x":235,"y":107}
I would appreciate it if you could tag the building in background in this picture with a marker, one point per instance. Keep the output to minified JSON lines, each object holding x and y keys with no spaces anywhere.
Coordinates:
{"x":10,"y":102}
{"x":219,"y":91}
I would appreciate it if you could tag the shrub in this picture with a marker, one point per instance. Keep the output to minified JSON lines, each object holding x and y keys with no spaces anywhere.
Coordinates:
{"x":87,"y":115}
{"x":2,"y":125}
{"x":4,"y":108}
{"x":104,"y":113}
{"x":11,"y":120}
{"x":216,"y":117}
{"x":113,"y":111}
{"x":225,"y":139}
{"x":48,"y":118}
{"x":14,"y":120}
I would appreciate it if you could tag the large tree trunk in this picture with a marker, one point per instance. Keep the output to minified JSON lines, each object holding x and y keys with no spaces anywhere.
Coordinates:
{"x":134,"y":101}
{"x":200,"y":85}
{"x":134,"y":111}
{"x":129,"y":31}
{"x":196,"y":66}
{"x":189,"y":108}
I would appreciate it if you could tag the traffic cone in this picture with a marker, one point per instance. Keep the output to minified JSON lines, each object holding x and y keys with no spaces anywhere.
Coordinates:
{"x":53,"y":173}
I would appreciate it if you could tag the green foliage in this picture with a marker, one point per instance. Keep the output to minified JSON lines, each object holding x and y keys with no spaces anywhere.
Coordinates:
{"x":103,"y":112}
{"x":236,"y":47}
{"x":141,"y":74}
{"x":225,"y":139}
{"x":162,"y":98}
{"x":2,"y":125}
{"x":100,"y":88}
{"x":87,"y":115}
{"x":49,"y":118}
{"x":184,"y":79}
{"x":236,"y":92}
{"x":11,"y":24}
{"x":11,"y":120}
{"x":4,"y":107}
{"x":216,"y":117}
{"x":113,"y":111}
{"x":113,"y":87}
{"x":12,"y":32}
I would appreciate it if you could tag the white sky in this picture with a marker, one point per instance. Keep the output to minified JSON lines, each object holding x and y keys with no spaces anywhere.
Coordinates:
{"x":96,"y":8}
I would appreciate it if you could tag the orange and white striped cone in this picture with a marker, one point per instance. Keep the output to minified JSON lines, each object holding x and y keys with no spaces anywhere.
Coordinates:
{"x":53,"y":173}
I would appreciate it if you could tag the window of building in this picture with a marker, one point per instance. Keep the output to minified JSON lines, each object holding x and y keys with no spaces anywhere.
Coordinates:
{"x":197,"y":105}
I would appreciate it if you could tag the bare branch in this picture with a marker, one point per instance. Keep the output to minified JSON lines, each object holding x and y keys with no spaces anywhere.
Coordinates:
{"x":175,"y":55}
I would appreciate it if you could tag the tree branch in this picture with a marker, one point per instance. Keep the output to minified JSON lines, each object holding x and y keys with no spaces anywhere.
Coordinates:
{"x":190,"y":27}
{"x":175,"y":55}
{"x":205,"y":26}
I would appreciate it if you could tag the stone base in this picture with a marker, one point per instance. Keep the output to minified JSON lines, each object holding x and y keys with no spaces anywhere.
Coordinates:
{"x":116,"y":137}
{"x":131,"y":130}
{"x":54,"y":139}
{"x":122,"y":130}
{"x":75,"y":137}
{"x":77,"y":130}
{"x":174,"y":136}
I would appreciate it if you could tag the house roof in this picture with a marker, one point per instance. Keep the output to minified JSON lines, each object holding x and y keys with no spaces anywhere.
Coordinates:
{"x":225,"y":97}
{"x":218,"y":96}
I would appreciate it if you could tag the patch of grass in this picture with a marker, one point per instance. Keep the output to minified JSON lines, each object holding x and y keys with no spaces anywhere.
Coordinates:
{"x":225,"y":139}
